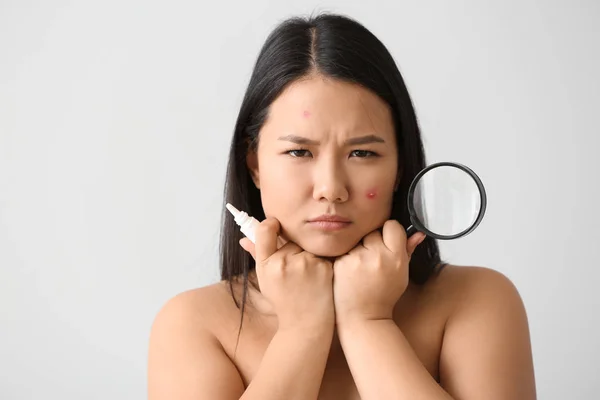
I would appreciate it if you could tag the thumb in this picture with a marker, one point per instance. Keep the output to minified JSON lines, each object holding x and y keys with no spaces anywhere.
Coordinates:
{"x":248,"y":246}
{"x":413,"y":242}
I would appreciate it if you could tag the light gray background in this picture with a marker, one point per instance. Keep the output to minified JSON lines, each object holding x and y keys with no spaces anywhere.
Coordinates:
{"x":115,"y":120}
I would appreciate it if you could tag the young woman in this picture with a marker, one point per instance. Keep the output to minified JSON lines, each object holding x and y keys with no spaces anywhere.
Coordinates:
{"x":325,"y":147}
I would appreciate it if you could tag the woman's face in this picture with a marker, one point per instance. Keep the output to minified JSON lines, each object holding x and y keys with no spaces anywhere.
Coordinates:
{"x":327,"y":148}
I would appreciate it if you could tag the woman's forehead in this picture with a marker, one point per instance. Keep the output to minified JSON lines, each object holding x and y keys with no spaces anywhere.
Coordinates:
{"x":329,"y":105}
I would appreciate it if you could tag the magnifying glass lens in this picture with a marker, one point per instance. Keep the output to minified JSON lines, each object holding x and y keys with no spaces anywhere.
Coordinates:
{"x":447,"y":200}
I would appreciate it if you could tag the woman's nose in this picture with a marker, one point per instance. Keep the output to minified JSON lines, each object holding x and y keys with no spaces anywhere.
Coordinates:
{"x":330,"y":183}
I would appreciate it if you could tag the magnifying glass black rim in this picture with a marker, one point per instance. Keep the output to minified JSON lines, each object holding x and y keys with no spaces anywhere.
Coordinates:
{"x":414,"y":219}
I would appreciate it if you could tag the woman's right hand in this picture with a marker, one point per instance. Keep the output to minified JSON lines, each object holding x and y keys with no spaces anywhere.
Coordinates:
{"x":297,"y":284}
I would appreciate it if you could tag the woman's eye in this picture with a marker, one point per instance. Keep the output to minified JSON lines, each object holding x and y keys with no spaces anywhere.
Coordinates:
{"x":362,"y":153}
{"x":299,"y":153}
{"x":302,"y":153}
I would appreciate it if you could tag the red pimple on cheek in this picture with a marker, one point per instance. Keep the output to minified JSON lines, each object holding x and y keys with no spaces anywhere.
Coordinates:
{"x":306,"y":113}
{"x":371,"y":194}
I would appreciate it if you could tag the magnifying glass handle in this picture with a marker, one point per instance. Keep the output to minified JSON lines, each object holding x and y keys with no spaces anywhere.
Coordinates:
{"x":411,"y":231}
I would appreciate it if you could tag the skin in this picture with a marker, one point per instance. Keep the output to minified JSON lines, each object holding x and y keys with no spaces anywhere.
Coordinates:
{"x":371,"y":194}
{"x":336,"y":316}
{"x":299,"y":181}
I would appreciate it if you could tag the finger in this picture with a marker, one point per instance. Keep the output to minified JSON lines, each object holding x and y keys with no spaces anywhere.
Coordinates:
{"x":394,"y":236}
{"x":248,"y":246}
{"x":290,"y":247}
{"x":266,"y":239}
{"x":413,"y":242}
{"x":373,"y":240}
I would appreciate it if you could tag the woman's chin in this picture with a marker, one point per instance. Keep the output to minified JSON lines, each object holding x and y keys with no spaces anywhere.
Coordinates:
{"x":328,"y":249}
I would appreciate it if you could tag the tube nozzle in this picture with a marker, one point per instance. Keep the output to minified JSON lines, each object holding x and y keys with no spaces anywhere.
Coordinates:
{"x":232,"y":210}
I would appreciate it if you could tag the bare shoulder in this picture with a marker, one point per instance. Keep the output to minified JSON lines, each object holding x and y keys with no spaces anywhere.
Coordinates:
{"x":198,"y":310}
{"x":464,"y":283}
{"x":486,"y":351}
{"x":198,"y":304}
{"x":185,"y":357}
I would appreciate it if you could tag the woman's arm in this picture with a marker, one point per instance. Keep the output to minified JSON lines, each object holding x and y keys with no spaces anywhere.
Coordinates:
{"x":486,"y":352}
{"x":186,"y":361}
{"x":383,"y":364}
{"x":292,"y":367}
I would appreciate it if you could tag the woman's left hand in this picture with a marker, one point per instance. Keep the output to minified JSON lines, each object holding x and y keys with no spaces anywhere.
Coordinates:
{"x":369,"y":280}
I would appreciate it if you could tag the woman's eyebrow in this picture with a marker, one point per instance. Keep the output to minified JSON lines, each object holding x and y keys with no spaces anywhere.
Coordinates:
{"x":350,"y":142}
{"x":364,"y":140}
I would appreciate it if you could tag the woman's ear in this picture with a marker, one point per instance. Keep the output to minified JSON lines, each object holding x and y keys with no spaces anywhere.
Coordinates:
{"x":252,"y":164}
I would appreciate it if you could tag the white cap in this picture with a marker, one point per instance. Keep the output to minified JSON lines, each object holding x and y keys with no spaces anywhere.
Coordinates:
{"x":234,"y":211}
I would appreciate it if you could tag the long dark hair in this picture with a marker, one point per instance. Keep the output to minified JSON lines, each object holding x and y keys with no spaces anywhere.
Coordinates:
{"x":337,"y":47}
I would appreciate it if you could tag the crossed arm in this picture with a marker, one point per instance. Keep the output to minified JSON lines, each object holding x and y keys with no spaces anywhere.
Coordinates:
{"x":486,"y":351}
{"x":486,"y":354}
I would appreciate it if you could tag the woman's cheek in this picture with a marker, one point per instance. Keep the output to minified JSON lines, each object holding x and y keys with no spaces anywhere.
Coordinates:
{"x":378,"y":200}
{"x":371,"y":193}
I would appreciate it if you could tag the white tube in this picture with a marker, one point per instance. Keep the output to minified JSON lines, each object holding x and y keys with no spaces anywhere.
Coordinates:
{"x":248,"y":224}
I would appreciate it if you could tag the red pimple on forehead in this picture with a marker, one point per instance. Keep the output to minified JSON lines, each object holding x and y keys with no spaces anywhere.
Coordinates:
{"x":306,"y":113}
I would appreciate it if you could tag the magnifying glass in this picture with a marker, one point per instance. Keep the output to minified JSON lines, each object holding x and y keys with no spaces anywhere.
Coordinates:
{"x":446,"y":201}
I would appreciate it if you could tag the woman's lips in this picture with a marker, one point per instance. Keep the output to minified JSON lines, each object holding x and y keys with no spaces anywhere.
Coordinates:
{"x":329,"y":225}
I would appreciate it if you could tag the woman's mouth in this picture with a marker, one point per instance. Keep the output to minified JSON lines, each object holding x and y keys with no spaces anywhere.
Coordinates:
{"x":329,"y":226}
{"x":329,"y":222}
